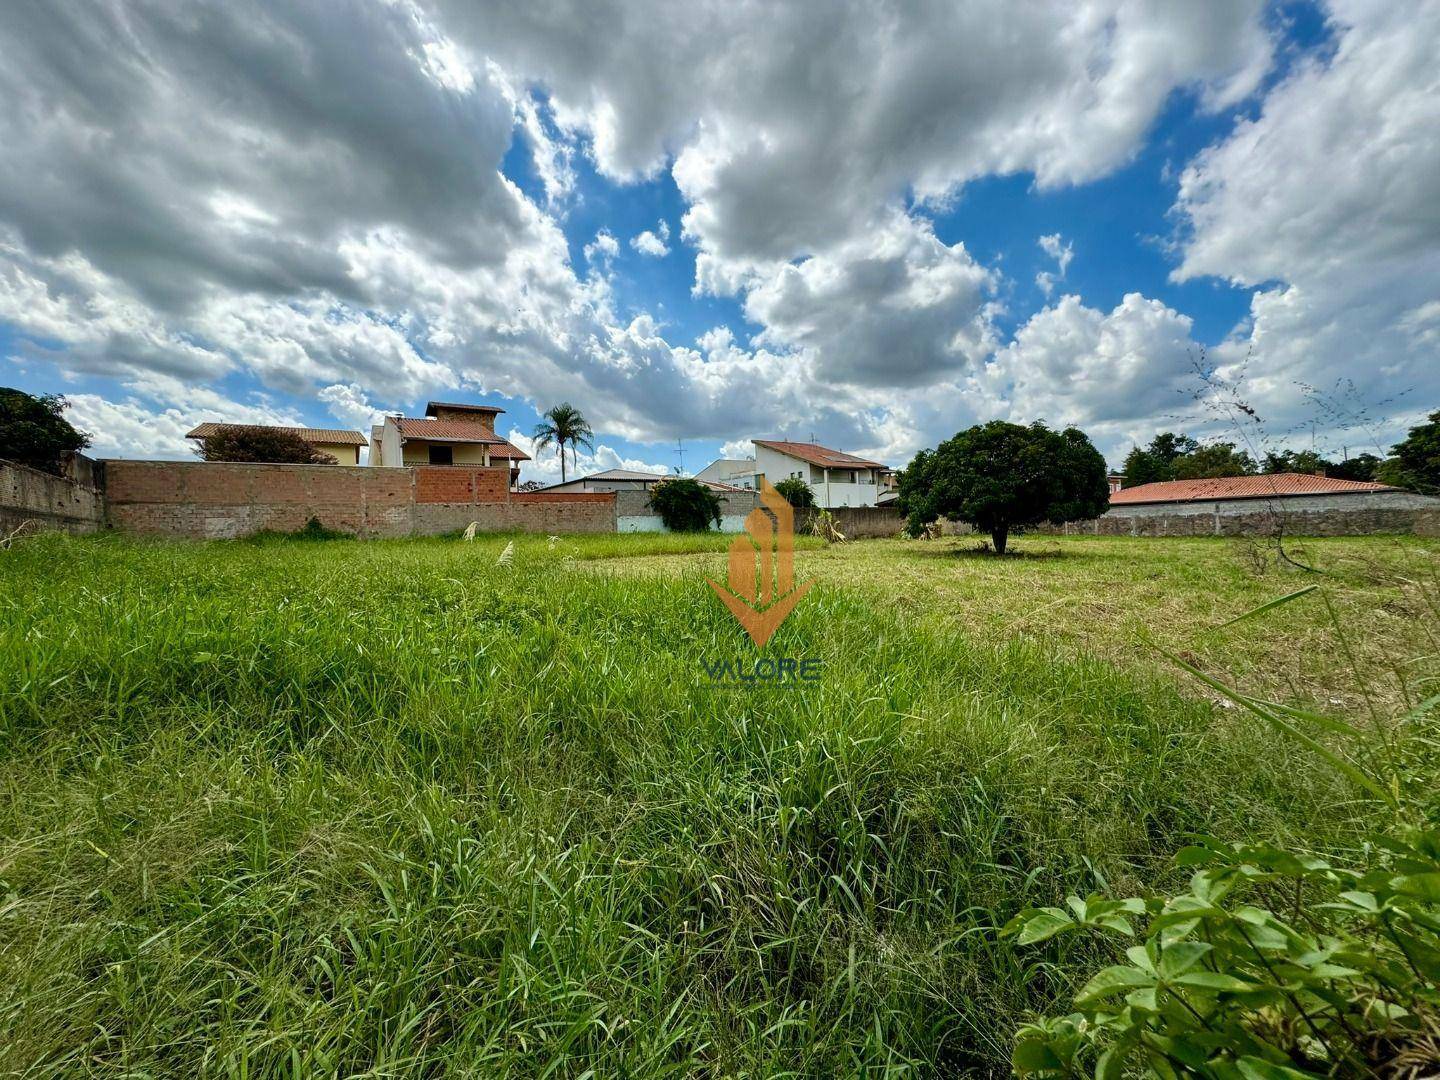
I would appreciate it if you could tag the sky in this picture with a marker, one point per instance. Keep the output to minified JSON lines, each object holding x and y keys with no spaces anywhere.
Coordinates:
{"x":872,"y":225}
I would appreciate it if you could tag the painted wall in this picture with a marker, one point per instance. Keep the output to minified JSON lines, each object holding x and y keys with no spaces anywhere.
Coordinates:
{"x":632,"y":515}
{"x":418,"y":453}
{"x":775,"y":466}
{"x":343,"y":453}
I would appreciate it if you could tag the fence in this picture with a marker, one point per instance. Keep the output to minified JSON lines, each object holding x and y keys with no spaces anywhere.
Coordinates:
{"x":70,"y":503}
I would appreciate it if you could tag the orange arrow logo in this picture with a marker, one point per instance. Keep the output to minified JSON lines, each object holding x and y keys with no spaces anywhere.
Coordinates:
{"x":766,"y":550}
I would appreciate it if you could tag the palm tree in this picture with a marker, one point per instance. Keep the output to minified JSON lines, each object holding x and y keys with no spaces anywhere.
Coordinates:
{"x":560,"y":425}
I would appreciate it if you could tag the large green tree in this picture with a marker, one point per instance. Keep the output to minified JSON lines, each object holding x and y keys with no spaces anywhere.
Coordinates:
{"x":1214,"y":460}
{"x":34,"y":431}
{"x":1414,"y":462}
{"x":560,"y":426}
{"x":1156,"y":463}
{"x":1300,"y":461}
{"x":1000,"y":476}
{"x":269,"y":445}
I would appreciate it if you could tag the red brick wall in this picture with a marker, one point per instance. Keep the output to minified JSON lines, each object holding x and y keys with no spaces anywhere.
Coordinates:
{"x":214,"y":500}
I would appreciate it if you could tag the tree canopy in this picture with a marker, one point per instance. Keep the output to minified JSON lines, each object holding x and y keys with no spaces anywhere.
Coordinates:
{"x":563,"y":425}
{"x":796,"y":492}
{"x":1414,"y":462}
{"x":684,"y":504}
{"x":34,"y":431}
{"x":1001,"y":476}
{"x":268,"y":445}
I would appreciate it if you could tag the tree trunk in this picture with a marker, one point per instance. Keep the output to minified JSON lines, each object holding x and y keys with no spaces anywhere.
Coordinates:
{"x":562,"y":461}
{"x":998,"y":538}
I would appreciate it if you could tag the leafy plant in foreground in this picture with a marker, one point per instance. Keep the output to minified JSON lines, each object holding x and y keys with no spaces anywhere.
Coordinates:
{"x":1272,"y":964}
{"x":685,"y":505}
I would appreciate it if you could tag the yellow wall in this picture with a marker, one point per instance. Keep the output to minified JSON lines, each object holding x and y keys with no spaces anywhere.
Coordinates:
{"x":343,"y":453}
{"x":418,"y":453}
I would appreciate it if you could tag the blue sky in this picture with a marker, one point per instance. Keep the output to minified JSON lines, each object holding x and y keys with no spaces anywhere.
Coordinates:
{"x":875,"y":232}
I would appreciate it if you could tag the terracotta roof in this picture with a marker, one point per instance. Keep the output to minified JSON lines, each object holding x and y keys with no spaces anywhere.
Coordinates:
{"x":309,"y":434}
{"x":447,"y":430}
{"x":1241,"y":487}
{"x":506,"y":449}
{"x":819,"y":455}
{"x":431,"y":406}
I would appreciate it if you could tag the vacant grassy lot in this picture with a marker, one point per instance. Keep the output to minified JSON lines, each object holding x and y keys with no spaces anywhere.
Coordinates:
{"x":287,"y":808}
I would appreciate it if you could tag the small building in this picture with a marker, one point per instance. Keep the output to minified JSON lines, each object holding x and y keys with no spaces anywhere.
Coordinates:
{"x":343,"y":446}
{"x":448,"y":434}
{"x":737,"y":472}
{"x":1116,"y":482}
{"x":837,"y":478}
{"x":1295,"y":503}
{"x":626,"y":480}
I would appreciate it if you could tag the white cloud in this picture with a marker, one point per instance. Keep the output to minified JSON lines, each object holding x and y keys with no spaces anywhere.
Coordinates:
{"x":544,"y":465}
{"x":1054,"y":246}
{"x":1327,"y":200}
{"x":347,"y":403}
{"x":601,"y":250}
{"x":647,"y":243}
{"x":152,"y":421}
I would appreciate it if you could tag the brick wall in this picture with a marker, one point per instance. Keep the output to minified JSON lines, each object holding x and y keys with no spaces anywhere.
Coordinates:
{"x":70,"y":503}
{"x":217,"y":500}
{"x":864,"y":522}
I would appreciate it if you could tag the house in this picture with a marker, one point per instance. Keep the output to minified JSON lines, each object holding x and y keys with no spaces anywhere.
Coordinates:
{"x":837,"y":478}
{"x":1116,"y":482}
{"x":343,"y":446}
{"x":448,"y":434}
{"x":625,"y":480}
{"x":737,"y":472}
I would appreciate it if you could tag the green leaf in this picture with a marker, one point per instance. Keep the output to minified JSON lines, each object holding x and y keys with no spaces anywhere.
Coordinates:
{"x":1254,"y":1068}
{"x":1044,"y":924}
{"x":1269,"y":605}
{"x":1112,"y":981}
{"x":1181,"y":957}
{"x":1216,"y":981}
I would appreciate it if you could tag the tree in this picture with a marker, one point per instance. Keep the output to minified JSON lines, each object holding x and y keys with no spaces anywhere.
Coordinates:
{"x":1359,"y":467}
{"x":1212,"y":461}
{"x":796,"y":492}
{"x":269,"y":445}
{"x":684,"y":504}
{"x":1001,"y":476}
{"x":1156,"y":463}
{"x":34,"y":432}
{"x":561,"y":425}
{"x":1298,"y":461}
{"x":1414,"y":462}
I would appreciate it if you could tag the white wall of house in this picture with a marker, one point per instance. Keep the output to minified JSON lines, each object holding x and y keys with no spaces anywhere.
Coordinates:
{"x":737,"y":472}
{"x":832,"y":487}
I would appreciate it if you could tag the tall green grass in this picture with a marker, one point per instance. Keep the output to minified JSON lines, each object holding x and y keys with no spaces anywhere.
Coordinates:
{"x":282,"y":809}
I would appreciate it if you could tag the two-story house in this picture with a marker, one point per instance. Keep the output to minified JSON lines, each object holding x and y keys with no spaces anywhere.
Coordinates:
{"x":837,"y":478}
{"x":448,"y":434}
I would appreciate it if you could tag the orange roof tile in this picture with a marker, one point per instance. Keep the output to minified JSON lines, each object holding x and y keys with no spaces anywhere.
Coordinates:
{"x":309,"y":434}
{"x":446,"y":430}
{"x":1241,"y":487}
{"x":819,"y":455}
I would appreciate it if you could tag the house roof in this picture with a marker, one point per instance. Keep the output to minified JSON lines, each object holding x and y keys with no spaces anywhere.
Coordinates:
{"x":334,"y":436}
{"x":819,"y":455}
{"x":431,"y":406}
{"x":633,"y":474}
{"x":1241,"y":487}
{"x":446,"y":430}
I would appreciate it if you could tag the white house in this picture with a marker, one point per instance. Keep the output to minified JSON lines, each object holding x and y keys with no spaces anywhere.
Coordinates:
{"x":737,"y":472}
{"x":837,"y":478}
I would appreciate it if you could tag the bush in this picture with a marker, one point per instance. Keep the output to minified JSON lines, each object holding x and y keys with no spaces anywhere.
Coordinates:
{"x":1001,"y":476}
{"x":796,"y":492}
{"x":684,"y":505}
{"x":265,"y":445}
{"x":33,"y":432}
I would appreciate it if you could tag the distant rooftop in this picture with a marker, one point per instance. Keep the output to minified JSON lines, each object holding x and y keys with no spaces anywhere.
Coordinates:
{"x":432,"y":406}
{"x":334,"y":436}
{"x":1270,"y":485}
{"x":816,"y":454}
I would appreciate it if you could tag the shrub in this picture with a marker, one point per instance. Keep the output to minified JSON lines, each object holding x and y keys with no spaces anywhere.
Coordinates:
{"x":33,"y":432}
{"x":796,"y":492}
{"x":1414,"y":462}
{"x":684,"y":505}
{"x":267,"y":445}
{"x":1001,"y":476}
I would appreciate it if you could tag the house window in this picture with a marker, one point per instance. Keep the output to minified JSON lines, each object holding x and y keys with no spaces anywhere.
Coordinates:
{"x":442,"y":455}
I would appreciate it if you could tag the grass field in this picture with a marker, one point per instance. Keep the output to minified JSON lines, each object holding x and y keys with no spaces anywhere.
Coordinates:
{"x":286,"y":808}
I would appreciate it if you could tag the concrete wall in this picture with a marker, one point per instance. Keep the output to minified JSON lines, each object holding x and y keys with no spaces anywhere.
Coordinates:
{"x":70,"y":503}
{"x":1356,"y":514}
{"x":863,"y":522}
{"x":632,"y":515}
{"x":214,"y":500}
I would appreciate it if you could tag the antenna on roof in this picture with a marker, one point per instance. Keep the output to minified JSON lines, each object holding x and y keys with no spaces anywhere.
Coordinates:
{"x":680,"y":451}
{"x":812,"y":436}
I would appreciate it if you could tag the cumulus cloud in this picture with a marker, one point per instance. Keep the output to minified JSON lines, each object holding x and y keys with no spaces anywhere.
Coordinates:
{"x":544,"y":465}
{"x":653,"y":243}
{"x":347,"y":403}
{"x":151,"y":421}
{"x":1054,"y":246}
{"x":1327,"y":200}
